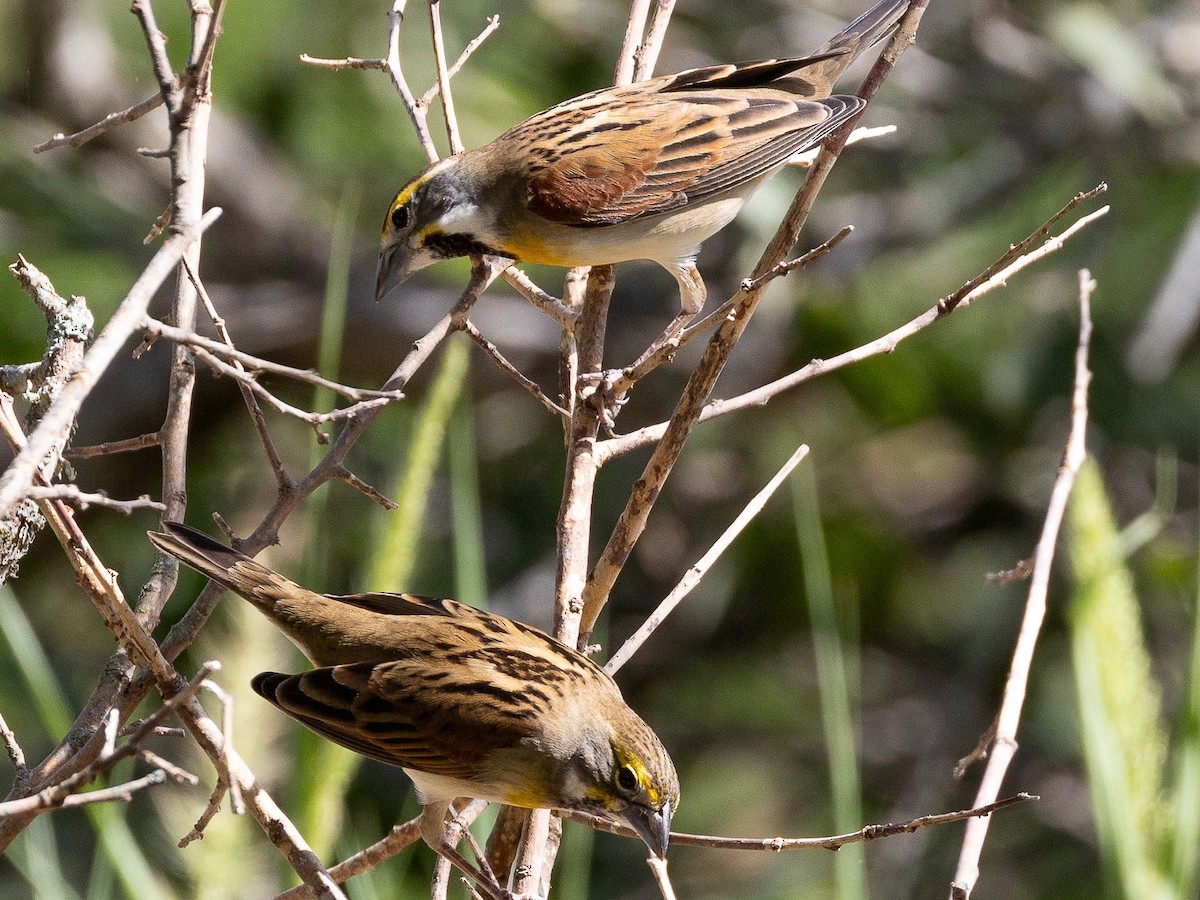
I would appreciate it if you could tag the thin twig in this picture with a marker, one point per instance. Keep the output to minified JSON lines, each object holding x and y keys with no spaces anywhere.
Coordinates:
{"x":13,"y":748}
{"x":228,"y":352}
{"x":647,"y":53}
{"x":226,"y":700}
{"x":1004,"y":746}
{"x":108,"y":123}
{"x":723,"y":311}
{"x":658,"y":868}
{"x":512,"y":371}
{"x":635,"y":27}
{"x":61,"y":415}
{"x":885,"y":344}
{"x":833,"y":842}
{"x":274,"y":460}
{"x":493,"y":23}
{"x":141,"y":442}
{"x":698,"y":571}
{"x":83,"y":499}
{"x":443,"y":76}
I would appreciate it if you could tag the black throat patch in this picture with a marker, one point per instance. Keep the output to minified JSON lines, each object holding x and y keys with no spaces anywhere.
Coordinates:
{"x":448,"y":246}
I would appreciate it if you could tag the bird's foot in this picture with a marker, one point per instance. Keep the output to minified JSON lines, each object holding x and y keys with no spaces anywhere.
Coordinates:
{"x":605,"y":392}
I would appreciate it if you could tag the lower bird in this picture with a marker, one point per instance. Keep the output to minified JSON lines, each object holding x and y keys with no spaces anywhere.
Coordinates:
{"x":641,"y":171}
{"x":468,"y":703}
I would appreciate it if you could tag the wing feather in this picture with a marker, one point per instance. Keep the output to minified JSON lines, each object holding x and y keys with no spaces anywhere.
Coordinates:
{"x":644,"y":150}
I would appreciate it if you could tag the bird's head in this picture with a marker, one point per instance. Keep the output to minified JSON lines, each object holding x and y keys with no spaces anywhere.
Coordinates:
{"x":433,"y":217}
{"x":626,"y":775}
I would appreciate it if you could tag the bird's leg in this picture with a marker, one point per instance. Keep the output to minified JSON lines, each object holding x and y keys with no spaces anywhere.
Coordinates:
{"x":433,"y":830}
{"x":613,"y":385}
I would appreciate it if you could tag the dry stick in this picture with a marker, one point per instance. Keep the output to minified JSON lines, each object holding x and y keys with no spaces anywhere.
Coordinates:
{"x":141,"y":442}
{"x":512,"y":371}
{"x":658,"y":868}
{"x":57,"y":794}
{"x":246,"y":379}
{"x":574,"y":535}
{"x":443,"y":76}
{"x":274,"y":460}
{"x":627,"y":57}
{"x":693,"y":575}
{"x":632,"y":521}
{"x":493,"y":23}
{"x":782,"y":844}
{"x":225,"y":349}
{"x":11,"y":746}
{"x":61,"y":415}
{"x":777,"y":271}
{"x":399,"y":839}
{"x":995,"y":276}
{"x":108,"y":123}
{"x":647,"y":53}
{"x":1005,"y":745}
{"x":69,"y":493}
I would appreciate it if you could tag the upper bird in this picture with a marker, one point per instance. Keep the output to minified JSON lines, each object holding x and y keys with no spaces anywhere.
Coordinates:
{"x":642,"y":171}
{"x":468,"y":703}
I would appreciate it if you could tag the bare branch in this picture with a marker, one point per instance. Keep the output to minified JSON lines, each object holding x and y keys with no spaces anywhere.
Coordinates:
{"x":141,"y":442}
{"x":513,"y":372}
{"x":129,"y":314}
{"x":834,"y":842}
{"x":83,"y":499}
{"x":658,"y":868}
{"x":976,"y":287}
{"x":443,"y":76}
{"x":700,"y":569}
{"x":430,"y":95}
{"x":108,"y":123}
{"x":1004,"y":747}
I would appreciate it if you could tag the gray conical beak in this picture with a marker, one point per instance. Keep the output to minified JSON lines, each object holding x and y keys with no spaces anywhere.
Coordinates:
{"x":652,"y":826}
{"x":390,"y":271}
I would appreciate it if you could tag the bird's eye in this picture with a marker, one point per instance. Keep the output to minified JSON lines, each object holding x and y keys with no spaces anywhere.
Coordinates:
{"x":627,"y":778}
{"x":400,"y":217}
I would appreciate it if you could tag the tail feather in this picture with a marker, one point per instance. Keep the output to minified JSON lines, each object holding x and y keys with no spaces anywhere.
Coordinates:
{"x":848,"y":44}
{"x":224,"y":565}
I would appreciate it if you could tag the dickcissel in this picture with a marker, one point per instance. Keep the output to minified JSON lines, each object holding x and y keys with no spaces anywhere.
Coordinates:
{"x":468,"y":703}
{"x":642,"y":171}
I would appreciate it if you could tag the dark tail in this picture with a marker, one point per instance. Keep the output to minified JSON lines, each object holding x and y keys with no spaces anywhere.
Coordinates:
{"x":848,"y":44}
{"x":224,"y":565}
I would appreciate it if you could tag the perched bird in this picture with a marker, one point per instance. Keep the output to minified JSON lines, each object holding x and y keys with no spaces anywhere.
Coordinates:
{"x":642,"y":171}
{"x":468,"y":703}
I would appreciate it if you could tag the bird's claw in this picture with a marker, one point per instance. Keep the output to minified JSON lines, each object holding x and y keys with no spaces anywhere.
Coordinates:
{"x":605,"y":392}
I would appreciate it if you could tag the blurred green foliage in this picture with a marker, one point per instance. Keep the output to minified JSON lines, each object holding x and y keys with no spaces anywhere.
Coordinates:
{"x":932,"y":464}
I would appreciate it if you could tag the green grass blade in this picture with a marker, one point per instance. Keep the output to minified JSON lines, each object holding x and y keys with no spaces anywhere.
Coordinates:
{"x":470,"y":564}
{"x":1185,"y":855}
{"x":837,"y":680}
{"x":36,"y":857}
{"x":1124,"y":745}
{"x":395,"y":553}
{"x":320,"y":799}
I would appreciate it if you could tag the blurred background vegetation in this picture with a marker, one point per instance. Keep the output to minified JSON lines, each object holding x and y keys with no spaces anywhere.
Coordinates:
{"x":930,"y":467}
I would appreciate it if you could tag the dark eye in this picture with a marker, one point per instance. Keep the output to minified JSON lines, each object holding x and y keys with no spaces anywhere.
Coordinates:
{"x":400,"y":217}
{"x":627,"y":778}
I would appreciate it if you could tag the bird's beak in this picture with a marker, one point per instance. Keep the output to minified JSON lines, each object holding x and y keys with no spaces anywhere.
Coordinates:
{"x":652,"y":826}
{"x":393,"y":268}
